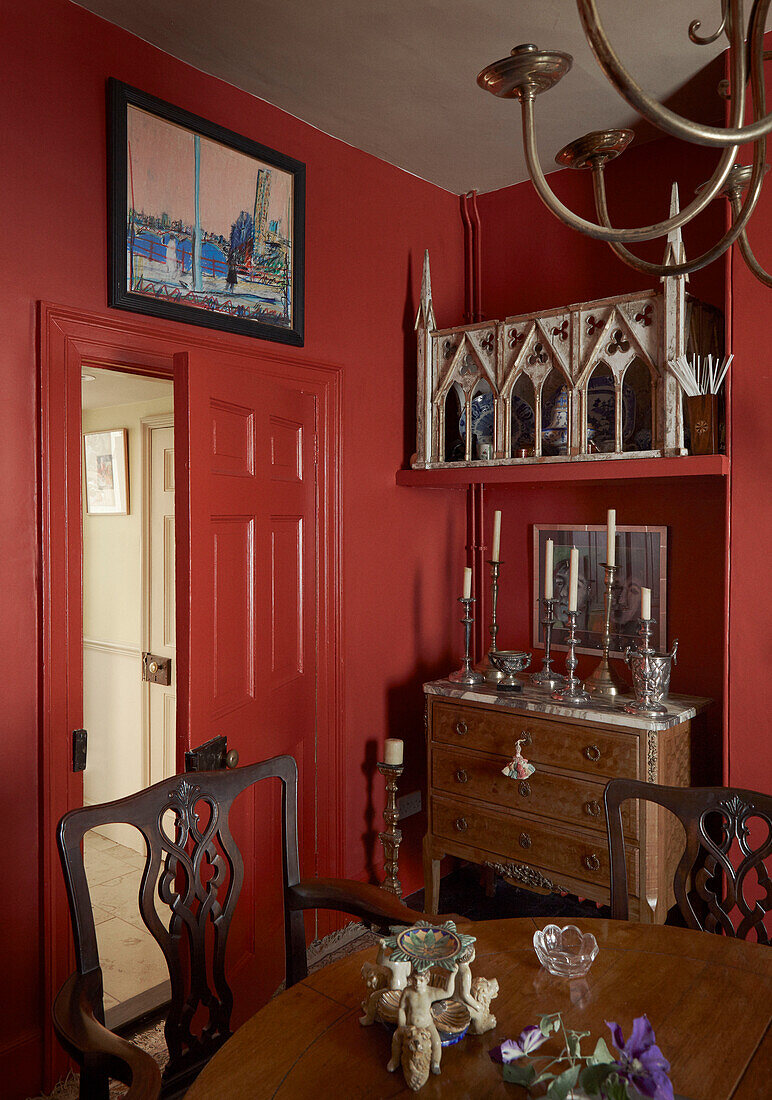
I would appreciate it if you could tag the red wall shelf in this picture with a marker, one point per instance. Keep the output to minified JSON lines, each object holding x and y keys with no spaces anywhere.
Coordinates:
{"x":540,"y":473}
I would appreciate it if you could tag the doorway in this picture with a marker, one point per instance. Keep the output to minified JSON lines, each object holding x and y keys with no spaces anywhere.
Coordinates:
{"x":234,"y":409}
{"x":129,"y":658}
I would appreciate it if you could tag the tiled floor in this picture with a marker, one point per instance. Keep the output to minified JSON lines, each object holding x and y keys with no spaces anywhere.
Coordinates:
{"x":131,"y":959}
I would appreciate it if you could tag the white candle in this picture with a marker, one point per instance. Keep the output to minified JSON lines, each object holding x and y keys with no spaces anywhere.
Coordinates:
{"x":548,"y":549}
{"x":573,"y":579}
{"x":394,"y":750}
{"x":496,"y":536}
{"x":467,"y":583}
{"x":611,"y":537}
{"x":645,"y":603}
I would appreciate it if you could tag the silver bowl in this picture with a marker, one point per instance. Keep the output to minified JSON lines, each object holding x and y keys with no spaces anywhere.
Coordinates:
{"x":510,"y":661}
{"x":565,"y":952}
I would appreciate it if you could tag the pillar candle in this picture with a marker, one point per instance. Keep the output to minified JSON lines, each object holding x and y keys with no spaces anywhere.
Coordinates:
{"x":611,"y":537}
{"x":467,"y":583}
{"x":496,"y":536}
{"x":548,"y":548}
{"x":645,"y":603}
{"x":394,"y":750}
{"x":573,"y":579}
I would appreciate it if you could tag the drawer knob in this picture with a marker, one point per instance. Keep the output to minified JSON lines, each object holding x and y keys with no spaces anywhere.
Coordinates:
{"x":461,"y":776}
{"x":525,"y":788}
{"x":592,"y":808}
{"x":592,"y":752}
{"x":591,"y":862}
{"x":525,"y":840}
{"x":461,"y":824}
{"x":462,"y":729}
{"x":526,"y":738}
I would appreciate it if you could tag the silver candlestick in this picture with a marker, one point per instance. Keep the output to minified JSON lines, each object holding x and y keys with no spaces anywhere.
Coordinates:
{"x":547,"y":678}
{"x":391,"y":836}
{"x":466,"y":674}
{"x":492,"y":674}
{"x":646,"y":677}
{"x":604,"y":682}
{"x":573,"y":692}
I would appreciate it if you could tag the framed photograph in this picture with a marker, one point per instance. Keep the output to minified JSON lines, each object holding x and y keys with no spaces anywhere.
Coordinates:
{"x":205,"y":226}
{"x":641,"y":555}
{"x":106,"y":463}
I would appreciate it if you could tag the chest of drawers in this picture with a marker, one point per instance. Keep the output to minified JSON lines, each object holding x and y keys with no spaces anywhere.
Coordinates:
{"x":549,"y":831}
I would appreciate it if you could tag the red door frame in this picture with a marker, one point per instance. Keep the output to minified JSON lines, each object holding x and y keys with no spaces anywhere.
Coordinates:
{"x":67,"y":339}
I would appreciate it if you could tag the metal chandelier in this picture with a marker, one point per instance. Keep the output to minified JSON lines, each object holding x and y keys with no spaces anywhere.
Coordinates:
{"x":529,"y":71}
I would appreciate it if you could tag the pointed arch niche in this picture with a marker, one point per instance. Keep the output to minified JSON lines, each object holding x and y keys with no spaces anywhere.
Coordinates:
{"x":569,"y":384}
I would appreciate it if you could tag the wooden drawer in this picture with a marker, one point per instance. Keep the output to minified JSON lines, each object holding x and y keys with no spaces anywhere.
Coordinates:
{"x":578,"y":748}
{"x":573,"y":801}
{"x":523,"y":839}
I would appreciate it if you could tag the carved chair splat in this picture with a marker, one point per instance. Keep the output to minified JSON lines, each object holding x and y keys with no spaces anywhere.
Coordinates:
{"x":722,"y":881}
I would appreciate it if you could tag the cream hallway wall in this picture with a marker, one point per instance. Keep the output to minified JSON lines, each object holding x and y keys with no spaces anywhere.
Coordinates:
{"x":112,"y":629}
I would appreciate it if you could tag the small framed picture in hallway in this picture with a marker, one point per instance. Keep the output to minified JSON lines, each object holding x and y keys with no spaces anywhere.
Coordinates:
{"x":106,"y":465}
{"x":205,"y":226}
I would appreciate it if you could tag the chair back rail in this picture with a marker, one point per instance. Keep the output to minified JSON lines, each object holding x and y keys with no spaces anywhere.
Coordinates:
{"x":722,"y":881}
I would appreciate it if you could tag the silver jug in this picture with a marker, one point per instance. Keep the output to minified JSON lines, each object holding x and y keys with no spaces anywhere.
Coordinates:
{"x":651,"y":671}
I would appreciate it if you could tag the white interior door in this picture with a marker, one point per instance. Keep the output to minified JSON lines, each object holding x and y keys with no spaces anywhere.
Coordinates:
{"x":160,"y":618}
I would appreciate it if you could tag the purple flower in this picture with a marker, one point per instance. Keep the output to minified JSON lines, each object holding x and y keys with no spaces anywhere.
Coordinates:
{"x":531,"y":1039}
{"x":641,"y":1062}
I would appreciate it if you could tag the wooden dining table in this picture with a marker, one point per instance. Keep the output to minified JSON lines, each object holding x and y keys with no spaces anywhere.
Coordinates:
{"x":709,"y":1000}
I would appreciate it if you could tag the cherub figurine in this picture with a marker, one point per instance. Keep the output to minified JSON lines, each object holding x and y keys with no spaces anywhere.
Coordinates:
{"x":399,"y":971}
{"x":476,"y":993}
{"x":376,"y":980}
{"x":415,"y":1013}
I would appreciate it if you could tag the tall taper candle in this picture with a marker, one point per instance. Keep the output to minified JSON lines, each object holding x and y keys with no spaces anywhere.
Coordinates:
{"x":548,"y":549}
{"x":611,"y":537}
{"x":496,"y":536}
{"x":573,"y":579}
{"x":467,"y":583}
{"x":645,"y":603}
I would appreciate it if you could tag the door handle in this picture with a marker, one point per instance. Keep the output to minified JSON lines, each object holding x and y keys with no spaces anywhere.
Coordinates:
{"x":156,"y":670}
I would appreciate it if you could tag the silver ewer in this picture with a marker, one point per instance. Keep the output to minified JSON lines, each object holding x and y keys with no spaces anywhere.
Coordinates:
{"x":573,"y":693}
{"x":651,"y":673}
{"x":547,"y":678}
{"x":466,"y":674}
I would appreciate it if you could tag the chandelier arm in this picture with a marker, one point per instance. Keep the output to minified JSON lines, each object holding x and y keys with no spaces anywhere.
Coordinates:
{"x":700,"y":40}
{"x":660,"y":116}
{"x":604,"y":233}
{"x":742,"y":214}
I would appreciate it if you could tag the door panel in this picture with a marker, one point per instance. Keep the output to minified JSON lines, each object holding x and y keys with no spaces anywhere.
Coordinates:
{"x":161,"y":621}
{"x":251,"y":604}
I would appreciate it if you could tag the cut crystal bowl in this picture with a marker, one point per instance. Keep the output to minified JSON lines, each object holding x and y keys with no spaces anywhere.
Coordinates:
{"x":565,"y":952}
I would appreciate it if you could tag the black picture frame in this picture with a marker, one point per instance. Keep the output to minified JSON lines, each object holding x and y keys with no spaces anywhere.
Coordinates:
{"x":279,"y":314}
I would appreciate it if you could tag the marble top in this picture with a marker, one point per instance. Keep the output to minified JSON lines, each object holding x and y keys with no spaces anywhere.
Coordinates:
{"x":680,"y":708}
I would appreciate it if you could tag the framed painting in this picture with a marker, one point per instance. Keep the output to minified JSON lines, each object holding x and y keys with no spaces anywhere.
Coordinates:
{"x":205,"y":226}
{"x":106,"y":465}
{"x":642,"y":562}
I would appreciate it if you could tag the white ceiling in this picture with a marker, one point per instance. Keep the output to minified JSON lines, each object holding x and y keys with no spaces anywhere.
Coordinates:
{"x":397,"y":78}
{"x":107,"y":388}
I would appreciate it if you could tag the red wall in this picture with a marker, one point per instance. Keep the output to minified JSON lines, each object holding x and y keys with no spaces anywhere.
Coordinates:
{"x":367,"y":226}
{"x":531,"y":261}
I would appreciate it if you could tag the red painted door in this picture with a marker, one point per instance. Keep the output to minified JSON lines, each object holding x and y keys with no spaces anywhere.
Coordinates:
{"x":250,"y":606}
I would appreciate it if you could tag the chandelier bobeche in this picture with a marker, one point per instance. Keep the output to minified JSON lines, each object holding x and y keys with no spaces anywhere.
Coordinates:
{"x":529,"y":71}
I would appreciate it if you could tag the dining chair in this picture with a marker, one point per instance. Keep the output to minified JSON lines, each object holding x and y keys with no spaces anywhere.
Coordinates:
{"x":722,"y":881}
{"x":195,"y":868}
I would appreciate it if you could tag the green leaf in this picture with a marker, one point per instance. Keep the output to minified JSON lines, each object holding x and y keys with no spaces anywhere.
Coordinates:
{"x":546,"y":1076}
{"x":592,"y":1077}
{"x":562,"y":1085}
{"x":572,"y":1043}
{"x":516,"y":1074}
{"x":601,"y":1055}
{"x":548,"y":1024}
{"x":614,"y":1088}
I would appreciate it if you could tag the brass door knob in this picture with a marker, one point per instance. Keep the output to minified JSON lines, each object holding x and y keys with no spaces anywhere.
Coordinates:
{"x":461,"y":776}
{"x":152,"y":667}
{"x":525,"y":840}
{"x":592,"y":808}
{"x":461,"y":824}
{"x":592,"y":752}
{"x":232,"y":758}
{"x":591,"y":862}
{"x":462,"y":729}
